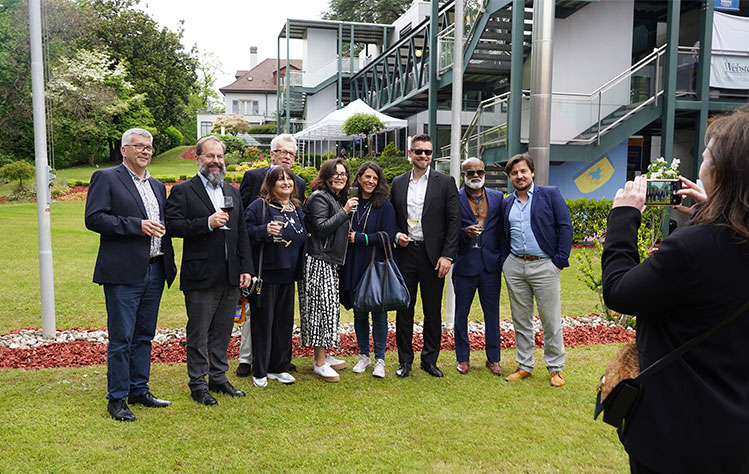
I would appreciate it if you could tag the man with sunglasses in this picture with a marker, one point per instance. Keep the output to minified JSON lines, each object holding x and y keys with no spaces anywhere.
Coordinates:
{"x":538,"y":239}
{"x":125,"y":205}
{"x":282,"y":152}
{"x":427,"y":223}
{"x":478,"y":264}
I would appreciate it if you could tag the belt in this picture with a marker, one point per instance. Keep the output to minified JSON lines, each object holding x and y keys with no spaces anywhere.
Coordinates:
{"x":529,"y":258}
{"x":417,"y":243}
{"x":155,"y":259}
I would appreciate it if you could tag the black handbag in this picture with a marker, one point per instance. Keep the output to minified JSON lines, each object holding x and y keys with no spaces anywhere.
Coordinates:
{"x":256,"y":286}
{"x":381,"y":287}
{"x":622,"y":400}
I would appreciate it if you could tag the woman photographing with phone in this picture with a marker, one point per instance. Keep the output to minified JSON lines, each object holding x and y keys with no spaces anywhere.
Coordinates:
{"x":693,"y":415}
{"x":327,"y":211}
{"x":373,"y":214}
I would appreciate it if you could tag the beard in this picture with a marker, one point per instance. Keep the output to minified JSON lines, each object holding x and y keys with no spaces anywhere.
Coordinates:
{"x":475,"y":183}
{"x":213,"y":178}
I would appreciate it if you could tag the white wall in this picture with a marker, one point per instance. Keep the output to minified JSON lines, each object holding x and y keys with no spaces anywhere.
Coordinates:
{"x":267,"y":103}
{"x":417,"y":13}
{"x":320,"y":47}
{"x":321,"y":104}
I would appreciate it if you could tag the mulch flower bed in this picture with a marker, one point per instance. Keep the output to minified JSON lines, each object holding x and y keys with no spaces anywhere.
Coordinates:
{"x":83,"y":353}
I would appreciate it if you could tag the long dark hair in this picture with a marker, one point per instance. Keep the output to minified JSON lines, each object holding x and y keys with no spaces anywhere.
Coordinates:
{"x":728,"y":201}
{"x":267,"y":190}
{"x":380,"y":194}
{"x":327,"y":170}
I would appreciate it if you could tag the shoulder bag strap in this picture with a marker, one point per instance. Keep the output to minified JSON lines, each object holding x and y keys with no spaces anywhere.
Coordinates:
{"x":687,"y":346}
{"x":262,"y":247}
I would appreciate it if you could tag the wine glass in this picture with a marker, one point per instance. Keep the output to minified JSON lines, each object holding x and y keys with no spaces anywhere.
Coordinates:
{"x":227,"y":206}
{"x":281,"y":221}
{"x":477,"y":239}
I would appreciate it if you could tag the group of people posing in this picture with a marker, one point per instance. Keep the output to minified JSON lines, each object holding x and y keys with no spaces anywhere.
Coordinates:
{"x":323,"y":244}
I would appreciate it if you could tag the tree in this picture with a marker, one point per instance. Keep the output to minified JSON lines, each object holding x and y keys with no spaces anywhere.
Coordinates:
{"x":365,"y":125}
{"x":367,"y":11}
{"x":19,"y":170}
{"x":233,"y":124}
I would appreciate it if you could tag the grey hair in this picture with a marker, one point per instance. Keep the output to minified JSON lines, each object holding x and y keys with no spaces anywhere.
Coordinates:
{"x":284,"y":137}
{"x":201,"y":142}
{"x":135,"y":131}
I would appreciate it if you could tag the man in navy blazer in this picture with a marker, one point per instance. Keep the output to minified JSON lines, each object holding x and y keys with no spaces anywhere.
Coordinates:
{"x":283,"y":150}
{"x":538,"y":239}
{"x":477,"y":265}
{"x":125,"y":205}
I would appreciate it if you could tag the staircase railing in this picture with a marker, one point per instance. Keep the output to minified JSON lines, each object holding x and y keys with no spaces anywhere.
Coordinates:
{"x":488,"y":126}
{"x":473,"y":9}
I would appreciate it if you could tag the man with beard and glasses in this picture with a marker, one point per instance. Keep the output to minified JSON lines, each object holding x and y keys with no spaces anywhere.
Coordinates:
{"x":538,"y":239}
{"x":478,"y":264}
{"x":216,"y":262}
{"x":427,"y":224}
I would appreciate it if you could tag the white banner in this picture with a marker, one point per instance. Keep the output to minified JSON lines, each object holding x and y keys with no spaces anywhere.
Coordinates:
{"x":730,"y":35}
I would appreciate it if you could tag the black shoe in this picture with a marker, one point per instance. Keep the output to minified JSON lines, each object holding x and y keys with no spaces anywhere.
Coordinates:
{"x":226,"y":388}
{"x":202,"y":396}
{"x":244,"y":370}
{"x":403,"y":370}
{"x":120,"y":411}
{"x":431,"y":369}
{"x":148,"y":400}
{"x":292,"y":367}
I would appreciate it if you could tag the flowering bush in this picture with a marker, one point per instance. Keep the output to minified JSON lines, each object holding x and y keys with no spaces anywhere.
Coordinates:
{"x":659,"y":169}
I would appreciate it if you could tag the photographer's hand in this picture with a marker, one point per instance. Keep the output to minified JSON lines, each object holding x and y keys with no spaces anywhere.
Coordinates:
{"x":692,"y":190}
{"x":633,"y":194}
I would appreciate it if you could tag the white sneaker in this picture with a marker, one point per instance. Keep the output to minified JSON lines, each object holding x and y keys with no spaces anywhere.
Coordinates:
{"x":379,"y":369}
{"x":336,"y":364}
{"x":326,"y":373}
{"x":261,"y":382}
{"x":283,"y":377}
{"x":362,"y":365}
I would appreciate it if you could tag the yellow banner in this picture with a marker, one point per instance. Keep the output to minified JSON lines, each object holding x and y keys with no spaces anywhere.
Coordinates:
{"x":594,"y":176}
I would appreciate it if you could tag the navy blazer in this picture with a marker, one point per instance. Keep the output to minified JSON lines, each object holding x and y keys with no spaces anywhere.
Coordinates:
{"x":114,"y":209}
{"x":472,"y":261}
{"x":206,"y":253}
{"x":440,"y":216}
{"x":253,"y":179}
{"x":550,"y":222}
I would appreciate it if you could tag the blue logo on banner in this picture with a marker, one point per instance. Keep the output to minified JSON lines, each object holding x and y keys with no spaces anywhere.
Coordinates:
{"x":727,"y":5}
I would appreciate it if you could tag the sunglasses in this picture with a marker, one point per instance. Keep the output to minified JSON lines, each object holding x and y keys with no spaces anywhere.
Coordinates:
{"x":472,"y":173}
{"x":421,"y":152}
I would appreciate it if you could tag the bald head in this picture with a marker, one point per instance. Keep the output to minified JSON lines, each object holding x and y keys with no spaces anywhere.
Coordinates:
{"x":473,"y":164}
{"x":473,"y":174}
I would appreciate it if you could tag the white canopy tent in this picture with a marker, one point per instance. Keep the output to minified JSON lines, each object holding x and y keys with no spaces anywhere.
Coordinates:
{"x":330,"y":128}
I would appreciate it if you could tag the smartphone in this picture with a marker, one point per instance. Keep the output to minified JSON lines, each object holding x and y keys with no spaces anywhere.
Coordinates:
{"x":662,"y":192}
{"x":353,"y":192}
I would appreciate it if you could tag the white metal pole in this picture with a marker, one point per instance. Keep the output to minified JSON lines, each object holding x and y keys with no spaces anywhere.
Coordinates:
{"x":46,"y":274}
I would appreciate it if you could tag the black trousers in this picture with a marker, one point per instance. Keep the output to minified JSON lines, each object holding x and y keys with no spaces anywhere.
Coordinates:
{"x":417,"y":272}
{"x":272,"y":322}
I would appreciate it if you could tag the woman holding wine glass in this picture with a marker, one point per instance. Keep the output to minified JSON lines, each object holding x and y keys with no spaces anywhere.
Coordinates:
{"x":275,"y":223}
{"x":374,"y":214}
{"x":327,"y":220}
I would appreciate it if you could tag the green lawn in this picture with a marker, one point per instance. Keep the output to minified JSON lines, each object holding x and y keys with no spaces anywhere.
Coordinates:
{"x":80,"y":303}
{"x":54,"y":420}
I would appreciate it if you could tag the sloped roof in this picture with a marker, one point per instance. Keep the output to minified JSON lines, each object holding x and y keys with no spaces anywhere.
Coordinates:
{"x":262,"y":77}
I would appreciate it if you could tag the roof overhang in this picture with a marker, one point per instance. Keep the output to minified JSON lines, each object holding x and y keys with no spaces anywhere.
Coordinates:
{"x":363,"y":32}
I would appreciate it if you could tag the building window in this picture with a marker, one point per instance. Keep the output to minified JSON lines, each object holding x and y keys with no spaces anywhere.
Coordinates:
{"x":205,"y":128}
{"x":245,"y":107}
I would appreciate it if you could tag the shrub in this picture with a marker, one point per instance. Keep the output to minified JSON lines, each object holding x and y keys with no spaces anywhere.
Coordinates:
{"x":260,"y":164}
{"x":267,"y":129}
{"x":232,"y":157}
{"x":308,"y":174}
{"x":586,"y":215}
{"x":18,"y":170}
{"x":233,"y":144}
{"x":238,"y":178}
{"x":232,"y":123}
{"x":167,"y":139}
{"x":390,"y":150}
{"x":23,"y":193}
{"x":79,"y":182}
{"x":229,"y":179}
{"x":231,"y":168}
{"x":252,"y":153}
{"x":166,"y":179}
{"x":59,"y":187}
{"x":183,"y":177}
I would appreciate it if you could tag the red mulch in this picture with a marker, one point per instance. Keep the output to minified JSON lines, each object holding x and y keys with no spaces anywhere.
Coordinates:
{"x":189,"y":154}
{"x":81,"y":353}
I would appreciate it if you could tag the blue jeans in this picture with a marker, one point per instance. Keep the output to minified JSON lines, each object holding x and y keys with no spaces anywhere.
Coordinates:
{"x":379,"y":332}
{"x":132,"y":311}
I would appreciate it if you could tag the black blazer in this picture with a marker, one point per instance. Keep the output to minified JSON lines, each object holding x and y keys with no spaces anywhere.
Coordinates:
{"x":693,"y":416}
{"x":206,"y":250}
{"x":440,"y":217}
{"x":253,"y":180}
{"x":114,"y":209}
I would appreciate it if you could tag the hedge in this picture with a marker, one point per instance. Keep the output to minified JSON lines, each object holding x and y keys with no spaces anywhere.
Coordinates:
{"x":587,"y":216}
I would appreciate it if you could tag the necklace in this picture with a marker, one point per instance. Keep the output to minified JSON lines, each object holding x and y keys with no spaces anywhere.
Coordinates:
{"x":363,"y":215}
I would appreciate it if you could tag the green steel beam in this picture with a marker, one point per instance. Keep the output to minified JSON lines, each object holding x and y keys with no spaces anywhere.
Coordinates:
{"x":703,"y":83}
{"x":286,"y":83}
{"x":515,"y":101}
{"x":669,"y":80}
{"x":278,"y":83}
{"x":339,"y":103}
{"x":351,"y":57}
{"x":433,"y":66}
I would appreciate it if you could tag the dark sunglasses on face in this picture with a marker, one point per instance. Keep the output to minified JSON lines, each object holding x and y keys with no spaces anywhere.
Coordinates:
{"x":421,"y":152}
{"x":472,"y":173}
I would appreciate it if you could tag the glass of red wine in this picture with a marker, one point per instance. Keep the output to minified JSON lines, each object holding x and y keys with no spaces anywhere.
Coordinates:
{"x":227,"y":207}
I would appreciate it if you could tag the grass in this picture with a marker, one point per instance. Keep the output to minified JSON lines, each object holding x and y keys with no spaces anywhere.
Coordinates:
{"x":80,"y":303}
{"x":166,"y":164}
{"x":462,"y":423}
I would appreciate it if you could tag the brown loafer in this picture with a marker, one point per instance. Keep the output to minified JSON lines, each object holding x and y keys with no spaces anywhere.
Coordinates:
{"x":557,"y":379}
{"x":463,"y":367}
{"x":517,"y":375}
{"x":494,"y":367}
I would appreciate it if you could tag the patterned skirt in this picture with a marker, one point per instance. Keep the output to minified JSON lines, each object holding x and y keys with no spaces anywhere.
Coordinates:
{"x":319,"y":307}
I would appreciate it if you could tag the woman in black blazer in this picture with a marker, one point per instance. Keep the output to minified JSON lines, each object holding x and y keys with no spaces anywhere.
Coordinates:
{"x":693,"y":416}
{"x":281,"y":233}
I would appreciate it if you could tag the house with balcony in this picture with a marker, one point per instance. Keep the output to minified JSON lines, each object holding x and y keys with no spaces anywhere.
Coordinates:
{"x":632,"y":80}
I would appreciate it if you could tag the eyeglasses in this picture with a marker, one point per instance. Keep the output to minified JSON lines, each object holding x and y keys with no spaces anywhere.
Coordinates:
{"x":142,"y":148}
{"x":421,"y":152}
{"x":211,"y":157}
{"x":340,"y":175}
{"x":284,"y":152}
{"x":472,"y":173}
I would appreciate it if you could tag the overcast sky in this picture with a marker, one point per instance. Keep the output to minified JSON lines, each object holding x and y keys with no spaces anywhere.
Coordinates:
{"x":229,"y":27}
